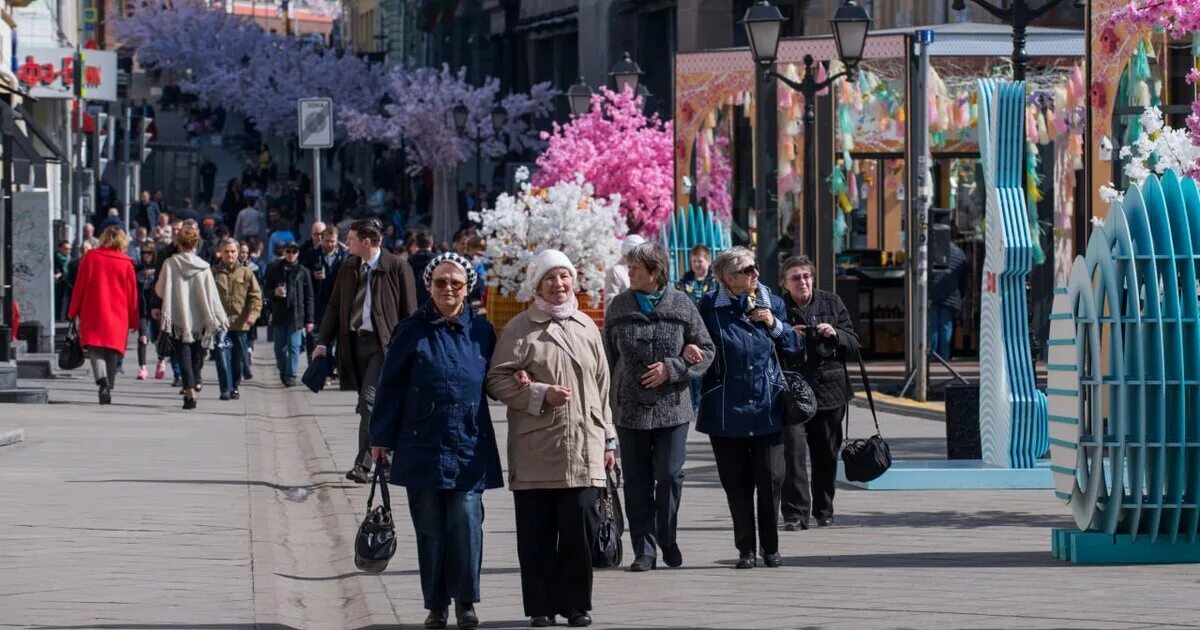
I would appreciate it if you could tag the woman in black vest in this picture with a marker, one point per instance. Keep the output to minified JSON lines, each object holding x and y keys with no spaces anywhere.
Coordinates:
{"x":822,"y":320}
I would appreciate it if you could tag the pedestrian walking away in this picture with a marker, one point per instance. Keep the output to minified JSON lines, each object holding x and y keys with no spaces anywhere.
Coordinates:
{"x":148,"y":328}
{"x":373,"y":292}
{"x":656,"y":345}
{"x":431,"y":410}
{"x":105,"y":300}
{"x":191,"y":308}
{"x":289,"y":287}
{"x":821,"y":319}
{"x":242,"y":300}
{"x":740,"y":410}
{"x":551,"y":372}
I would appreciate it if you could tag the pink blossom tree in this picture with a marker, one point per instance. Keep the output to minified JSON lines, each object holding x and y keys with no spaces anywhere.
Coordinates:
{"x":619,"y":150}
{"x":421,"y":115}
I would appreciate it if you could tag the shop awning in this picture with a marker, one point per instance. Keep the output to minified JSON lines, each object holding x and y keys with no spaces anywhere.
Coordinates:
{"x":29,"y":164}
{"x":42,"y":138}
{"x":975,"y":39}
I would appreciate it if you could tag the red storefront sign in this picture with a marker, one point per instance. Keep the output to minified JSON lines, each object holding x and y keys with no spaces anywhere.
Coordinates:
{"x":50,"y":73}
{"x":44,"y":73}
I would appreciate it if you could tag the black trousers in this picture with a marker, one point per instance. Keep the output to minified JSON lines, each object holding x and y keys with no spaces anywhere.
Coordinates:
{"x":652,"y":461}
{"x":824,"y":439}
{"x":368,"y":360}
{"x":796,"y":498}
{"x":555,"y":529}
{"x":191,"y":361}
{"x":746,"y":466}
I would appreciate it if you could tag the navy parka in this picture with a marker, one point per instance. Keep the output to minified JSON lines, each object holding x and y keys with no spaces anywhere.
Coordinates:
{"x":740,"y":394}
{"x":430,"y":405}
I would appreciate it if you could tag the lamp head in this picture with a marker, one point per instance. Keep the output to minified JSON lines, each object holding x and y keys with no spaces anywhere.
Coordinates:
{"x":626,"y":73}
{"x":579,"y":97}
{"x":850,"y":26}
{"x":460,"y":117}
{"x":763,"y":22}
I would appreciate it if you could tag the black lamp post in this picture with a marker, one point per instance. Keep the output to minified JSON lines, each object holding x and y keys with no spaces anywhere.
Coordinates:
{"x":499,"y":119}
{"x":1019,"y":14}
{"x":762,"y":22}
{"x":626,"y":73}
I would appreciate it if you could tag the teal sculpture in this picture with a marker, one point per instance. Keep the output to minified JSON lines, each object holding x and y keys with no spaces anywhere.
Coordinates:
{"x":687,"y":228}
{"x":1124,"y":383}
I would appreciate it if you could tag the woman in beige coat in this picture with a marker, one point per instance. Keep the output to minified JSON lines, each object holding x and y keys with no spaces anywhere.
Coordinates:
{"x":549,"y":369}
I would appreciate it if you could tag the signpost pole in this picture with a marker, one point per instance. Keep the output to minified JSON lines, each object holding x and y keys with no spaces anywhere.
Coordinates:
{"x":316,"y":184}
{"x":126,"y":138}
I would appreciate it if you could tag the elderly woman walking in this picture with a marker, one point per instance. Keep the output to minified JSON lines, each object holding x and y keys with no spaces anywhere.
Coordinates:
{"x":550,"y":370}
{"x":740,"y":409}
{"x":191,"y":308}
{"x":105,"y":300}
{"x":656,"y":344}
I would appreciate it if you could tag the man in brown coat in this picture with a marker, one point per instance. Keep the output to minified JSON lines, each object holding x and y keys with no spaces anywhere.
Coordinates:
{"x":373,"y":292}
{"x":240,"y":295}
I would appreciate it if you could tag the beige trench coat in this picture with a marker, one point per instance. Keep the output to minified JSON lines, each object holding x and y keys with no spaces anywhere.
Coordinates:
{"x":549,"y":447}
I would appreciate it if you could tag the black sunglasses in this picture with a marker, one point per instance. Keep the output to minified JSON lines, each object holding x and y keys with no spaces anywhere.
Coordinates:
{"x":749,"y":270}
{"x":442,"y":283}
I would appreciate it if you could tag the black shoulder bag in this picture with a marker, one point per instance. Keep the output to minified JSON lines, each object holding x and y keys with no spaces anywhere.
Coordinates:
{"x":799,"y":400}
{"x":376,"y":541}
{"x":606,"y":548}
{"x":865,"y":459}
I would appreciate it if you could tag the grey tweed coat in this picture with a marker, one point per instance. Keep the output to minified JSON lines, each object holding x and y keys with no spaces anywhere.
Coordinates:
{"x":633,"y":341}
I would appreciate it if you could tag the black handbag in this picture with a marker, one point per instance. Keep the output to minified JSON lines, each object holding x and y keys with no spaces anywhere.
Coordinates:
{"x":375,"y":543}
{"x":865,"y":459}
{"x":70,"y":355}
{"x":799,"y":400}
{"x":606,"y":549}
{"x":164,"y":347}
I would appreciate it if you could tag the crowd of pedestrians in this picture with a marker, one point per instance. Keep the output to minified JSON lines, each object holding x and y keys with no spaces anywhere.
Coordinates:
{"x":405,"y":330}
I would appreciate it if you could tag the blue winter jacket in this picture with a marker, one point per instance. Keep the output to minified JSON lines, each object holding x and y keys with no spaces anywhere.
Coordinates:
{"x":740,"y":394}
{"x":430,"y":405}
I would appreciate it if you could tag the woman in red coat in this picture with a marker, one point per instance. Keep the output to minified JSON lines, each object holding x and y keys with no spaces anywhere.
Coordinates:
{"x":105,"y":301}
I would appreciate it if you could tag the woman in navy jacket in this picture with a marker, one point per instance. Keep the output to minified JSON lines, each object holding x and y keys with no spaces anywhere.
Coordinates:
{"x":431,"y":410}
{"x":740,"y":407}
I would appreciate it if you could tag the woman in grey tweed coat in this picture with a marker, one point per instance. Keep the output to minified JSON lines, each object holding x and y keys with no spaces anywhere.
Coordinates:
{"x":656,"y":344}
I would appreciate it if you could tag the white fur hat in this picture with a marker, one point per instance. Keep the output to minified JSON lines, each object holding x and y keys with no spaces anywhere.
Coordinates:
{"x":546,"y":261}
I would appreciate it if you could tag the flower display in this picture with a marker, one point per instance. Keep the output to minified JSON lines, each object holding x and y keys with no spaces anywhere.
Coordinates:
{"x":1157,"y":149}
{"x":621,"y":151}
{"x":566,"y":216}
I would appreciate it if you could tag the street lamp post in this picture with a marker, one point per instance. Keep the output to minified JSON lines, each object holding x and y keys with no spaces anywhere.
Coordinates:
{"x":499,"y":119}
{"x":1019,"y":14}
{"x":763,"y":23}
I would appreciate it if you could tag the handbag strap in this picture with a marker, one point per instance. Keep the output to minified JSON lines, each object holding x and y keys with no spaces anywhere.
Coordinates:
{"x":377,"y":479}
{"x":862,"y":370}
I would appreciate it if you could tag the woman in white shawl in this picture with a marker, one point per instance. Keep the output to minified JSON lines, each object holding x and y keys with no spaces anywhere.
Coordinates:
{"x":192,"y":314}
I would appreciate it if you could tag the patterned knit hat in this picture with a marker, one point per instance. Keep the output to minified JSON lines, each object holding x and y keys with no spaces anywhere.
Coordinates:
{"x":458,"y":260}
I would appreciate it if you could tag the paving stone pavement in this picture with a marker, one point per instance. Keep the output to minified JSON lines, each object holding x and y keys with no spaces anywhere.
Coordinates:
{"x":237,"y":515}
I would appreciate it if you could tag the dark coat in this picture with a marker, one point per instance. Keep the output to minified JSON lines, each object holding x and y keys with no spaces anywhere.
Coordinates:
{"x":827,"y":376}
{"x":296,"y":309}
{"x":696,"y":290}
{"x":393,"y":299}
{"x":431,"y":407}
{"x":633,"y":340}
{"x":739,"y":397}
{"x":324,"y":288}
{"x":947,"y":285}
{"x":418,"y":261}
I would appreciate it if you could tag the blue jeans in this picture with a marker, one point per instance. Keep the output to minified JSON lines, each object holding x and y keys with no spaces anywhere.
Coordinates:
{"x":941,"y":329}
{"x":449,"y":527}
{"x":287,"y":351}
{"x":230,"y":361}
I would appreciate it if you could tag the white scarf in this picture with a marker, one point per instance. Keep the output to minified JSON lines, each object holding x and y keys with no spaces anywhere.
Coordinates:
{"x":191,"y":307}
{"x":557,"y":311}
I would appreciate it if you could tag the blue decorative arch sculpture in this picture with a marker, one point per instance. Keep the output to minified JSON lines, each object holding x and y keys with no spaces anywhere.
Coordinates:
{"x":1124,"y":383}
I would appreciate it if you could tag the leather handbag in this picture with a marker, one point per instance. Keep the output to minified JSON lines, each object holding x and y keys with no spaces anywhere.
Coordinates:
{"x":607,"y":550}
{"x":375,"y":543}
{"x":799,"y":400}
{"x":163,"y":346}
{"x":865,"y":459}
{"x":70,"y":355}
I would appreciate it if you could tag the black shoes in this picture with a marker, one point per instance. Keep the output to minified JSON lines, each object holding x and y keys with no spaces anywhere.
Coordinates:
{"x":235,"y":394}
{"x":579,"y":619}
{"x":178,"y":382}
{"x":643,"y":563}
{"x":672,"y":556}
{"x":189,"y":403}
{"x":772,"y":560}
{"x":795,"y":524}
{"x":289,"y":383}
{"x":105,"y":391}
{"x":465,"y":614}
{"x":437,"y":619}
{"x":541,"y":621}
{"x":745,"y":561}
{"x":825,"y":521}
{"x":225,"y":396}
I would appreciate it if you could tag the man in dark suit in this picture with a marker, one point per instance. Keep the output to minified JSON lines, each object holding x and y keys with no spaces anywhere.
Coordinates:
{"x":373,"y":292}
{"x":324,"y":260}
